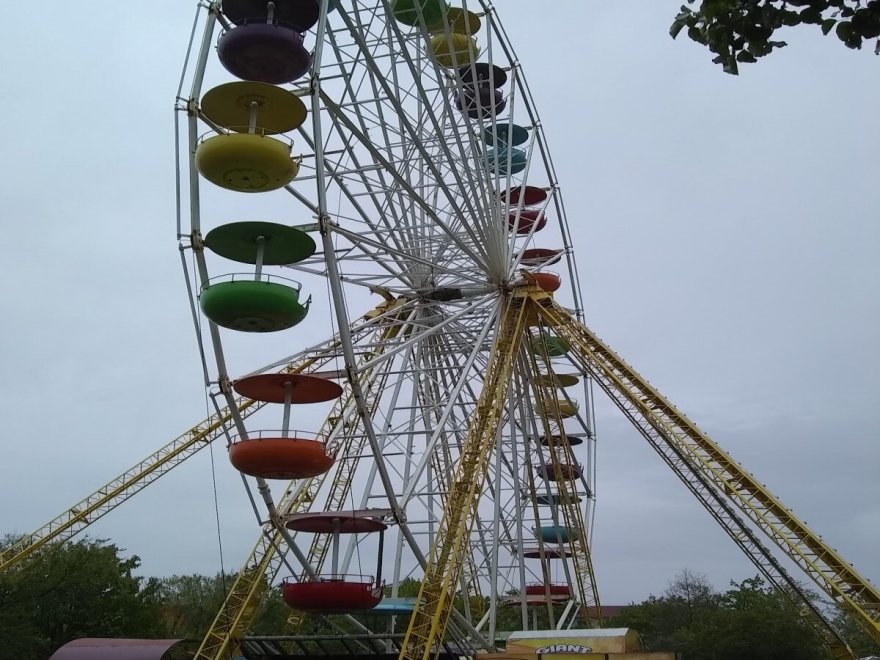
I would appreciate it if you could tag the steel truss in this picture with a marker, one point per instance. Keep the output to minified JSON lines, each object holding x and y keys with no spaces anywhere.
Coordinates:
{"x":718,"y":482}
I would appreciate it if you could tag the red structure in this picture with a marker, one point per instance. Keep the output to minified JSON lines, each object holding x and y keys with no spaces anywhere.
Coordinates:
{"x":280,"y":458}
{"x":530,"y":195}
{"x":342,"y":593}
{"x":527,"y":218}
{"x":556,"y":590}
{"x":273,"y":388}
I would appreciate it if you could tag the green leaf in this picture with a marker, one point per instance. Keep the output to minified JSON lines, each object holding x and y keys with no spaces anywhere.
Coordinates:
{"x":790,"y":18}
{"x":676,"y":27}
{"x":827,"y":24}
{"x":711,"y":8}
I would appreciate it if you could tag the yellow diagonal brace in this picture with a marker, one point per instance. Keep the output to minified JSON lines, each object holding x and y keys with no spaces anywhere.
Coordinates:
{"x":431,"y":616}
{"x":260,"y":569}
{"x":343,"y":480}
{"x":821,"y":562}
{"x":132,"y":481}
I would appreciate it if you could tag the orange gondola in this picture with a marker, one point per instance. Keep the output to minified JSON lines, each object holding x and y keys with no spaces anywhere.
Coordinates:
{"x":548,"y":282}
{"x":280,"y":458}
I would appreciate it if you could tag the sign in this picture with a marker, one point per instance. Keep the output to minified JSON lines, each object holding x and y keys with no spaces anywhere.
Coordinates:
{"x":563,"y":648}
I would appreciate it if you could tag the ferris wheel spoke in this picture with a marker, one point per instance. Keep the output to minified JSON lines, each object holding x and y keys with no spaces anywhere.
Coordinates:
{"x":448,"y":409}
{"x":357,"y":206}
{"x":412,"y":133}
{"x":470,"y":309}
{"x":473,"y":184}
{"x":361,"y":240}
{"x":429,"y":211}
{"x":378,"y":119}
{"x":383,"y":127}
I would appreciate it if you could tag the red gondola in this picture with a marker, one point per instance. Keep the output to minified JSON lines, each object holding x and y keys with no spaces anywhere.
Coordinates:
{"x":534,"y":257}
{"x":273,"y":388}
{"x":566,"y":471}
{"x":526,"y":219}
{"x":541,"y":589}
{"x":531,"y":195}
{"x":337,"y":593}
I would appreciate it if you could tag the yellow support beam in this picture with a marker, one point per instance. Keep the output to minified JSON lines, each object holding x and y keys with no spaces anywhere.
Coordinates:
{"x":431,"y":616}
{"x":132,"y":481}
{"x":343,"y":476}
{"x":683,"y":444}
{"x":243,"y":600}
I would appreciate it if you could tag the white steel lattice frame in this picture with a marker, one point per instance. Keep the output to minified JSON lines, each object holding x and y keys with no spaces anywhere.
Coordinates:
{"x":397,"y":182}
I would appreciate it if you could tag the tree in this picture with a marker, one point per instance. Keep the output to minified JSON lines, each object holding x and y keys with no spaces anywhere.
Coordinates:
{"x":682,"y":619}
{"x":190,"y":602}
{"x":763,"y":623}
{"x":71,"y":590}
{"x":743,"y":30}
{"x":750,"y":620}
{"x":855,"y":634}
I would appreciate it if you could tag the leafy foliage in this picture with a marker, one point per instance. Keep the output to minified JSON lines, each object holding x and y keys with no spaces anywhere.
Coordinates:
{"x":749,"y":620}
{"x":740,"y":31}
{"x":87,"y":589}
{"x":856,"y":636}
{"x":190,"y":603}
{"x":71,"y":590}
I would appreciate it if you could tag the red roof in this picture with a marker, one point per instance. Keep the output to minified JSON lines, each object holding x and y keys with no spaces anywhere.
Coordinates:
{"x":608,"y":611}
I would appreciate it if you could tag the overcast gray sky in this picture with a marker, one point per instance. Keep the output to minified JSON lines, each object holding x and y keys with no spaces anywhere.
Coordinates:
{"x":726,"y":232}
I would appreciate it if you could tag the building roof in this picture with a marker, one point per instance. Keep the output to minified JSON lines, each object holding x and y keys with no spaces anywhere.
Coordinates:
{"x":114,"y":649}
{"x":565,"y":634}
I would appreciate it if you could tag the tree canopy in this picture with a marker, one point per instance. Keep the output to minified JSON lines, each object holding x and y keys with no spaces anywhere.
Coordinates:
{"x":71,"y":590}
{"x":88,"y":589}
{"x":739,"y":31}
{"x":749,"y":620}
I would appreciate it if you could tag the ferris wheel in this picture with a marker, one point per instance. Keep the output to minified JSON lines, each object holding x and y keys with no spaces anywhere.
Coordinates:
{"x":375,"y":171}
{"x":404,"y":136}
{"x":459,"y":407}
